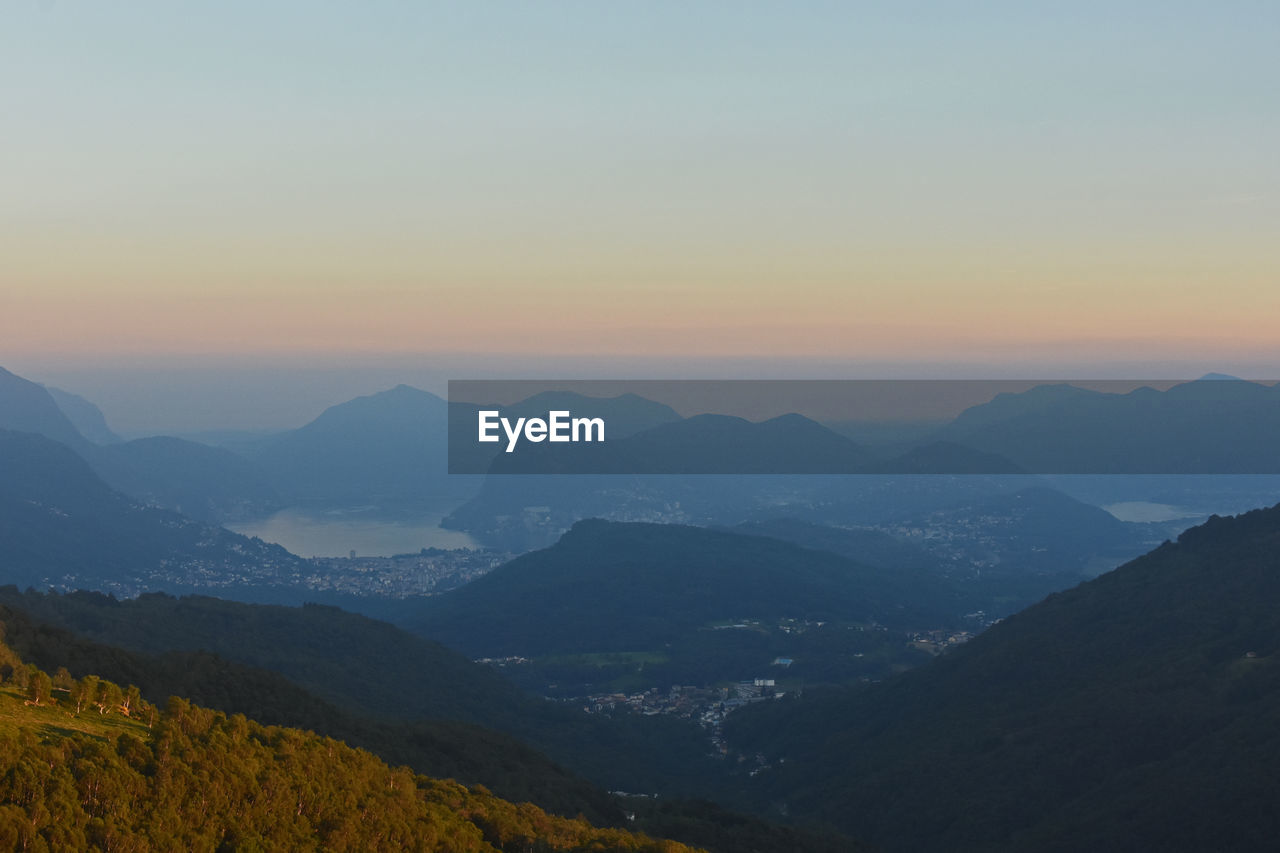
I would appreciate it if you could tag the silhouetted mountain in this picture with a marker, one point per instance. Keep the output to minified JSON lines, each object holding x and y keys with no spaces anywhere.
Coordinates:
{"x":1038,"y":401}
{"x":626,"y":414}
{"x":703,"y":444}
{"x":84,"y":415}
{"x":787,"y":444}
{"x":1212,"y":427}
{"x":209,"y":484}
{"x":624,"y":587}
{"x":61,"y":525}
{"x":386,"y":449}
{"x":206,"y":483}
{"x":1138,"y":711}
{"x":28,"y":407}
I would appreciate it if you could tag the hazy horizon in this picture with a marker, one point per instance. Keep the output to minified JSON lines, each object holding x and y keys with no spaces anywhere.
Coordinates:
{"x":190,"y":395}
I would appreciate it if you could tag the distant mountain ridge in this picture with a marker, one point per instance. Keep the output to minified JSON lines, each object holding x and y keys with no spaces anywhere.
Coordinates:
{"x":703,"y":444}
{"x":1214,"y":426}
{"x":387,"y":448}
{"x":608,"y":586}
{"x":626,"y":414}
{"x":209,"y":484}
{"x":28,"y":407}
{"x":61,"y":525}
{"x":84,"y":416}
{"x":789,"y":444}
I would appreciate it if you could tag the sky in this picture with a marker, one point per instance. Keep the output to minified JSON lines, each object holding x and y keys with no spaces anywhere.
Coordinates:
{"x":634,"y":184}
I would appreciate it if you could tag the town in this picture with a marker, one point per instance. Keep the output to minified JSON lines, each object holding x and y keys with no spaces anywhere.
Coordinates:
{"x":429,"y":572}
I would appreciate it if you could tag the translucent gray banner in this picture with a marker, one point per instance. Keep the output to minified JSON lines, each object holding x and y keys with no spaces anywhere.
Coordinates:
{"x":1213,"y":425}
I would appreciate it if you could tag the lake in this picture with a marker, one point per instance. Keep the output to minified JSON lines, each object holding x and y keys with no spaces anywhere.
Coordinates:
{"x":1146,"y":511}
{"x":336,"y":533}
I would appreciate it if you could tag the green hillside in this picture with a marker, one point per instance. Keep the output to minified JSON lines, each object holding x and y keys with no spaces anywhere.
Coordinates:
{"x":88,"y":766}
{"x":469,"y":753}
{"x":373,"y":669}
{"x":464,"y":752}
{"x":1138,"y":711}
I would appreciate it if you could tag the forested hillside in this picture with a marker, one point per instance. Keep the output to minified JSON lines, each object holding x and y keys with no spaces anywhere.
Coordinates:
{"x":435,"y":747}
{"x":1138,"y":711}
{"x":372,"y":669}
{"x":87,"y":765}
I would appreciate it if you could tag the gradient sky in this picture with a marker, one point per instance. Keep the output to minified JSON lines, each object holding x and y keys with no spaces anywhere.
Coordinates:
{"x":999,"y":182}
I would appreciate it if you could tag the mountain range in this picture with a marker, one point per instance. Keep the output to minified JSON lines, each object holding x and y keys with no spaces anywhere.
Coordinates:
{"x":1214,"y":426}
{"x":390,"y":450}
{"x":62,"y":526}
{"x":206,"y":483}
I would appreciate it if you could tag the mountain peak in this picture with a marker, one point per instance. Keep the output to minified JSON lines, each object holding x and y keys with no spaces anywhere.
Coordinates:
{"x":28,"y":407}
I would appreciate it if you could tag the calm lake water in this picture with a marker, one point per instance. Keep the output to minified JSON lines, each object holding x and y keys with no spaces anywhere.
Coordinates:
{"x":336,"y":533}
{"x":1145,"y":511}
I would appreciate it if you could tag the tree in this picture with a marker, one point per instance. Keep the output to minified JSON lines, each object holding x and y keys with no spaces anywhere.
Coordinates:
{"x":62,"y":679}
{"x":39,"y":687}
{"x":131,"y":701}
{"x":85,"y":692}
{"x":109,"y":696}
